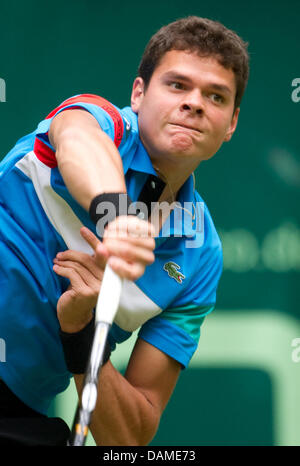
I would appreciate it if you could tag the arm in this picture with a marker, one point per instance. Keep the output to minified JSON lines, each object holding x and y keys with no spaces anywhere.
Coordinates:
{"x":87,"y":158}
{"x":129,"y":408}
{"x":90,"y":164}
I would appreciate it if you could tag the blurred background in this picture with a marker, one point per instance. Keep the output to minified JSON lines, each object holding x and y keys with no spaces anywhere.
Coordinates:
{"x":242,"y":386}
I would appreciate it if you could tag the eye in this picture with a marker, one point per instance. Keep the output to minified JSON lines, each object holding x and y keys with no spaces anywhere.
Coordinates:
{"x":176,"y":85}
{"x":217,"y":98}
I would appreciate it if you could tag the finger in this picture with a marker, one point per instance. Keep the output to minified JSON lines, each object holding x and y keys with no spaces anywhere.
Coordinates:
{"x":71,"y":274}
{"x":101,"y":255}
{"x":145,"y":243}
{"x":77,"y":285}
{"x":129,"y":252}
{"x":100,"y":252}
{"x":131,"y":225}
{"x":76,"y":256}
{"x":138,"y":241}
{"x":89,"y":237}
{"x":125,"y":270}
{"x":84,"y":259}
{"x":78,"y":289}
{"x":84,"y":273}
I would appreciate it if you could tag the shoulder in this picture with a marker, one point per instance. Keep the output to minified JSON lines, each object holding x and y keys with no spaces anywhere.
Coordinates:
{"x":119,"y":124}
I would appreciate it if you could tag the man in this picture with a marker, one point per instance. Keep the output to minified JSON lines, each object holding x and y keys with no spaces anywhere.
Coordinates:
{"x":185,"y":103}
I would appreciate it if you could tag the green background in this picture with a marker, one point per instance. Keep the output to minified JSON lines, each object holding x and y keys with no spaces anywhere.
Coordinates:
{"x":241,"y":388}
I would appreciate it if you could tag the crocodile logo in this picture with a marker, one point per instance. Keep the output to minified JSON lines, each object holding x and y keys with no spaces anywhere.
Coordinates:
{"x":172,"y":269}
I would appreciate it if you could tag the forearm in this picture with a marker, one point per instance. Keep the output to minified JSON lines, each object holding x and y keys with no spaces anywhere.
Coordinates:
{"x":123,"y":414}
{"x":87,"y":158}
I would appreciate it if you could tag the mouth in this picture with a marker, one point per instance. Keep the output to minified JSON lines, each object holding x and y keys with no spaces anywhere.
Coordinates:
{"x":182,"y":125}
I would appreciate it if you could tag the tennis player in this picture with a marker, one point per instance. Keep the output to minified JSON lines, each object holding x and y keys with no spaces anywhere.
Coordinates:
{"x":86,"y":184}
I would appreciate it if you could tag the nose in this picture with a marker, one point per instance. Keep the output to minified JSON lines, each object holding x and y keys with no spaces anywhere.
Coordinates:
{"x":193,"y":103}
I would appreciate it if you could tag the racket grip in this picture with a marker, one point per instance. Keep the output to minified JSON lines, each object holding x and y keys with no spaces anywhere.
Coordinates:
{"x":109,"y":296}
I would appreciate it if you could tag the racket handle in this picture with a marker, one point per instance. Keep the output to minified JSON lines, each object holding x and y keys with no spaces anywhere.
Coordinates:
{"x":89,"y":393}
{"x":80,"y":428}
{"x":106,"y":308}
{"x":109,"y":296}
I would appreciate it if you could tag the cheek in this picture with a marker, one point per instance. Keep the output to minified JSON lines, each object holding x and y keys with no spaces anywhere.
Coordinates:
{"x":221,"y":125}
{"x":156,"y":111}
{"x":152,"y":119}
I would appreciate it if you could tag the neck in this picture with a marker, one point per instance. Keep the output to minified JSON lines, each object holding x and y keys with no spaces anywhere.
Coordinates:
{"x":174,"y":180}
{"x":169,"y":193}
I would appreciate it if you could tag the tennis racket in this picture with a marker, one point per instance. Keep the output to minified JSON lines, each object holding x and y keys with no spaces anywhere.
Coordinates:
{"x":106,"y":308}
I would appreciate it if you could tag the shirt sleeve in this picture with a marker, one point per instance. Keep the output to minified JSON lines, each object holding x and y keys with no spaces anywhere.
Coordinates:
{"x":176,"y":331}
{"x":107,"y":115}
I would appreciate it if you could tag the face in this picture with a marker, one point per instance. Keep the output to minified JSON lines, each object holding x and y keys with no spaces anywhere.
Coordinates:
{"x":187,"y":111}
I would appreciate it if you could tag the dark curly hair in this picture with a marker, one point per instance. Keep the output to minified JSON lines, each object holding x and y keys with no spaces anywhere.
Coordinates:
{"x":204,"y":37}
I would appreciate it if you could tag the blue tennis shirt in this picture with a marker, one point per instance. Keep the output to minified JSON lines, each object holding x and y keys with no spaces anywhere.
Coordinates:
{"x":39,"y":217}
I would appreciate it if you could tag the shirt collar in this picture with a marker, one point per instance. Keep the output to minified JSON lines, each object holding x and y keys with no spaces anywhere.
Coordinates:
{"x":141,"y":161}
{"x":182,"y":219}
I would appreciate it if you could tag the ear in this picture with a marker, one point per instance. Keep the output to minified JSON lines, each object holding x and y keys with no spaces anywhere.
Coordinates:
{"x":137,"y":94}
{"x":233,"y":125}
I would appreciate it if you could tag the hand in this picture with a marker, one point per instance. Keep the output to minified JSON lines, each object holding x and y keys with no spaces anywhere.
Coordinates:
{"x":85,"y":272}
{"x":127,"y":247}
{"x":129,"y":244}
